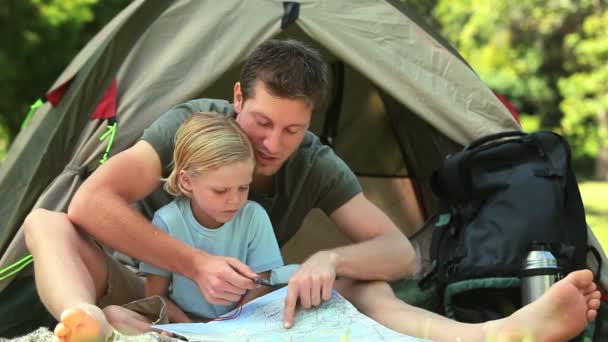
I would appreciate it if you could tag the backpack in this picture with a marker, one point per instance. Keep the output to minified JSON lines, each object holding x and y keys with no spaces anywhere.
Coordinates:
{"x":497,"y":196}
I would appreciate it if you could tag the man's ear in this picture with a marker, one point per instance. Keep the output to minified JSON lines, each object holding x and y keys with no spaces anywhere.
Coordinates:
{"x":238,"y":97}
{"x":184,"y":181}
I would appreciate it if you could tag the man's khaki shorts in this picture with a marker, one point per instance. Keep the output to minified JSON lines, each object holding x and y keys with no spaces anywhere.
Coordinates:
{"x":124,"y":286}
{"x":126,"y":289}
{"x":155,"y":309}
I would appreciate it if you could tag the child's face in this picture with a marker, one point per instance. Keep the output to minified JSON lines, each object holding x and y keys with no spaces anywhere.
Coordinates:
{"x":218,"y":194}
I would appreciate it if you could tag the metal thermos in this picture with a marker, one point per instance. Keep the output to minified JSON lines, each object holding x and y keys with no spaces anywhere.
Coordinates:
{"x":539,"y":272}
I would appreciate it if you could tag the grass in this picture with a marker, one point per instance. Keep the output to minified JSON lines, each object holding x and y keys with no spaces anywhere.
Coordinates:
{"x":596,"y":208}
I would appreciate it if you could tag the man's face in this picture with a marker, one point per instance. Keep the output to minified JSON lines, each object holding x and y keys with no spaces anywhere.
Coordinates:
{"x":275,"y":126}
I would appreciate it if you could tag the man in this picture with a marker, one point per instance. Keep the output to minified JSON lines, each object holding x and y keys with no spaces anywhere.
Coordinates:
{"x":281,"y":83}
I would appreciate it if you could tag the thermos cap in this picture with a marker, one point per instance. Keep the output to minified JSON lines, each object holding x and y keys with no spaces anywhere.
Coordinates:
{"x":540,"y":259}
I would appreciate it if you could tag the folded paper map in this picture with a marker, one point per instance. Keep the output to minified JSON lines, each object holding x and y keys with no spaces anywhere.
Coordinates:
{"x":262,"y":320}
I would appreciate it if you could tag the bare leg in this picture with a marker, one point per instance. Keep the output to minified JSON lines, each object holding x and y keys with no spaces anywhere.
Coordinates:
{"x":70,"y":273}
{"x":127,"y":321}
{"x":562,"y":313}
{"x":377,"y":300}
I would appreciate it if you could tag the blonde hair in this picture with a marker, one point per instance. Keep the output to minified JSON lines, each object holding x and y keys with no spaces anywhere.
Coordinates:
{"x":206,"y":141}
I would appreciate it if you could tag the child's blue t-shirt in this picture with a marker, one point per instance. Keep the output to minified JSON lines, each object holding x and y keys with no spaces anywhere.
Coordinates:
{"x":248,"y":236}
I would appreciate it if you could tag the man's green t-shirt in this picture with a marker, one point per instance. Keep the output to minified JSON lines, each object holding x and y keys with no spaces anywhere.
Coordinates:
{"x":313,"y":177}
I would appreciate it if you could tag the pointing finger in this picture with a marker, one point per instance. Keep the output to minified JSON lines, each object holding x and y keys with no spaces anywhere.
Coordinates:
{"x":290,"y":305}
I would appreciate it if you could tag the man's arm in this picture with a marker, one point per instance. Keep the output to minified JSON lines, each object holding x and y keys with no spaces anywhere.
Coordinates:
{"x":102,"y":208}
{"x":380,"y":252}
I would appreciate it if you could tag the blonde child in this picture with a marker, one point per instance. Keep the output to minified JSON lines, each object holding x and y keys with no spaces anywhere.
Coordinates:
{"x":212,"y":169}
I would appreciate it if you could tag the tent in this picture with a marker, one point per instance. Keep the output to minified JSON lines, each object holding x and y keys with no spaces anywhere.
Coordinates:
{"x":401,"y":99}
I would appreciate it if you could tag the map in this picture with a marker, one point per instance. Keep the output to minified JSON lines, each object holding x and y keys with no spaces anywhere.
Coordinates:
{"x":262,"y":320}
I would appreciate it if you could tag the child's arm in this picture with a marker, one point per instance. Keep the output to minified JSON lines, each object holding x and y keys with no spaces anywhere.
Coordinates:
{"x":159,"y":286}
{"x":259,"y":292}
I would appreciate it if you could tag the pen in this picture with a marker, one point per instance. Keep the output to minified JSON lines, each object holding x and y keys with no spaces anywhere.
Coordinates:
{"x":264,"y":282}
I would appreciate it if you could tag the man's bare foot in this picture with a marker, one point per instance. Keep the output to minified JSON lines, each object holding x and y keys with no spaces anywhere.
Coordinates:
{"x":84,"y":324}
{"x":560,"y":314}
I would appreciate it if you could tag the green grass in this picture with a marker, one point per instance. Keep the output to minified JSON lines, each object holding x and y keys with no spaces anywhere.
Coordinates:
{"x":596,"y":208}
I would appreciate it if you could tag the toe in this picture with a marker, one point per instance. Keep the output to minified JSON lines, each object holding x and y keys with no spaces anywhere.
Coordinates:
{"x":72,"y":318}
{"x":593,"y":304}
{"x":593,"y":295}
{"x":61,"y":330}
{"x":590,"y":288}
{"x":591,"y":314}
{"x":581,"y":279}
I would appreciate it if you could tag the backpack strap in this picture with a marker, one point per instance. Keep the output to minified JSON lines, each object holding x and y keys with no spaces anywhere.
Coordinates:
{"x":496,"y":136}
{"x":598,"y":258}
{"x":451,"y":181}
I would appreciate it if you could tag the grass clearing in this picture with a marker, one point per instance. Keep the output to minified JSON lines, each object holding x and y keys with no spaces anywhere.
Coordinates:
{"x":596,"y":208}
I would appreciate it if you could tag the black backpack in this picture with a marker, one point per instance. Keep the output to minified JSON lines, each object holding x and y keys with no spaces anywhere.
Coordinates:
{"x":498,"y":195}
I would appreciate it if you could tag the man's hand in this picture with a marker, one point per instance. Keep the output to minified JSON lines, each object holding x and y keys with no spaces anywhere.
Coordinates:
{"x":223,"y":280}
{"x":312,"y":283}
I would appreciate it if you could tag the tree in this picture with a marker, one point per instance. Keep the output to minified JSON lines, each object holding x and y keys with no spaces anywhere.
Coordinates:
{"x":525,"y":49}
{"x":585,"y":91}
{"x":40,"y":37}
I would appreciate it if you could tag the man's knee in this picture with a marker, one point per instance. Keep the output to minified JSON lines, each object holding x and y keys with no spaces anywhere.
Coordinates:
{"x":51,"y":228}
{"x":38,"y":223}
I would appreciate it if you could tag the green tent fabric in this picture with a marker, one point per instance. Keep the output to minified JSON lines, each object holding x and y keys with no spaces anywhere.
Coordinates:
{"x":408,"y":99}
{"x":21,"y":311}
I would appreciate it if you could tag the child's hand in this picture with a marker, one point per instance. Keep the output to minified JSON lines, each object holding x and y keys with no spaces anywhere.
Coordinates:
{"x":224,"y":280}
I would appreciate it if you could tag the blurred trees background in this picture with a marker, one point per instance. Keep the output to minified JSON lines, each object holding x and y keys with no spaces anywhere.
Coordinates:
{"x":548,"y":57}
{"x":38,"y":40}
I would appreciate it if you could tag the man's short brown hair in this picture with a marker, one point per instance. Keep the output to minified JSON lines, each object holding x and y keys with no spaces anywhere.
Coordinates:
{"x":289,"y":69}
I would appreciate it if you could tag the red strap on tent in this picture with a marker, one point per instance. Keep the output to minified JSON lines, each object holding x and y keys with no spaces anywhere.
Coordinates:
{"x":107,"y":106}
{"x":55,"y":95}
{"x":509,"y":106}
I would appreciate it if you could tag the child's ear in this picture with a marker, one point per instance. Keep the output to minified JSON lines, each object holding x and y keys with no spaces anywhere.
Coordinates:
{"x":184,"y":181}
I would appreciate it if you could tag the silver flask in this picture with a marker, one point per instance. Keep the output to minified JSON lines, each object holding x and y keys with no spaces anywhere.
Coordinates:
{"x":539,"y":272}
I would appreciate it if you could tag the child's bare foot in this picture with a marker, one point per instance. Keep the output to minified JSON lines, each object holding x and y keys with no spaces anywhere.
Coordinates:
{"x":84,"y":324}
{"x":559,"y":315}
